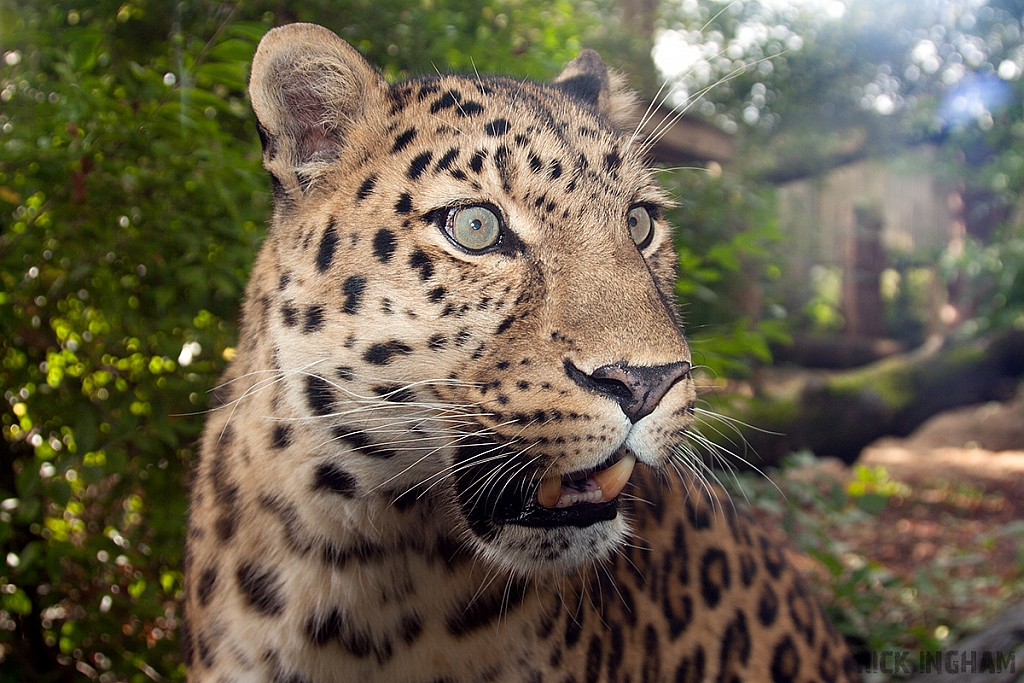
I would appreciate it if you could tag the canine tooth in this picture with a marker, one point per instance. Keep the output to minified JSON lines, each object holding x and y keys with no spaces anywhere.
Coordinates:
{"x":549,"y":491}
{"x":612,"y":480}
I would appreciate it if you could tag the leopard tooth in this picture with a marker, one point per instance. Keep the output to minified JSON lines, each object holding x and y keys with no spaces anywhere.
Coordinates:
{"x":612,"y":480}
{"x":550,"y":490}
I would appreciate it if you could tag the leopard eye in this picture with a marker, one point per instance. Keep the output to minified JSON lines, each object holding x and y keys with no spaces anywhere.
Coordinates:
{"x":474,"y":228}
{"x":641,"y":227}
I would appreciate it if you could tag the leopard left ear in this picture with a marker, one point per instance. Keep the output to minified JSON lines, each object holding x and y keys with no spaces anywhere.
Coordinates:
{"x":310,"y":90}
{"x":587,"y":80}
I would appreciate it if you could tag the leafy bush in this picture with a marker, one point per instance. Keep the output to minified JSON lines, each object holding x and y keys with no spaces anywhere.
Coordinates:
{"x":726,"y":229}
{"x":132,"y":200}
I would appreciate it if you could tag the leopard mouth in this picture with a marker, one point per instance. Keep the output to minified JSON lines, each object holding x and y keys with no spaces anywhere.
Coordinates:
{"x":576,"y":499}
{"x":580,"y":498}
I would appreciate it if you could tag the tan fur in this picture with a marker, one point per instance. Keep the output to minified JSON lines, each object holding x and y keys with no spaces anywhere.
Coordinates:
{"x":396,"y":400}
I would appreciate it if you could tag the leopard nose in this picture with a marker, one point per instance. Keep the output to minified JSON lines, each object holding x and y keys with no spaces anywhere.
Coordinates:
{"x":637,"y":389}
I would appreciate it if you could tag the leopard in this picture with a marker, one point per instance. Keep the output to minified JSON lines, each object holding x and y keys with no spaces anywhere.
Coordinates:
{"x":451,"y":445}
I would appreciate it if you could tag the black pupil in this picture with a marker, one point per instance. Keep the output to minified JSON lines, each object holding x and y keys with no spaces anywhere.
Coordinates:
{"x":476,"y":224}
{"x":632,"y":221}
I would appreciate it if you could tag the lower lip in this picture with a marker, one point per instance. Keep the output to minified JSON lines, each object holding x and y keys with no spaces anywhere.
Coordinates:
{"x":580,"y":516}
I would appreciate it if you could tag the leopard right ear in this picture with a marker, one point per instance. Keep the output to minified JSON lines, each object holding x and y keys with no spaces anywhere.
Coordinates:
{"x":309,"y":89}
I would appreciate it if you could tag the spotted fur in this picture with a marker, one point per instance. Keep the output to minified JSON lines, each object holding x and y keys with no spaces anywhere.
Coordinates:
{"x":365,"y":505}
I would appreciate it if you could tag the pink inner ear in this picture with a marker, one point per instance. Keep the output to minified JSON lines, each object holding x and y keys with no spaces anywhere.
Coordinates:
{"x":311,"y":123}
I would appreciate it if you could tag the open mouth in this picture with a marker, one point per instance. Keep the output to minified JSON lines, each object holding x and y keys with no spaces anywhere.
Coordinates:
{"x":577,"y":499}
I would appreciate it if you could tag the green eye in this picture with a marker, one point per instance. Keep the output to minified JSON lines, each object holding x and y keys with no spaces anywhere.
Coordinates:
{"x":641,"y":228}
{"x":474,"y":228}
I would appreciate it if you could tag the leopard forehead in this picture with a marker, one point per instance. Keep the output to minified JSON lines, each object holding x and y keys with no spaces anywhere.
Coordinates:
{"x":526,"y":147}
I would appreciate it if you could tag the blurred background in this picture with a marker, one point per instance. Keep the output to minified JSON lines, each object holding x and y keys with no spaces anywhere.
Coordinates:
{"x":850,"y":232}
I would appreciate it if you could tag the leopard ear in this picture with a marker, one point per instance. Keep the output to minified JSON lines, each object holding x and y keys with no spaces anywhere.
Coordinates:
{"x":309,"y":89}
{"x":587,"y":80}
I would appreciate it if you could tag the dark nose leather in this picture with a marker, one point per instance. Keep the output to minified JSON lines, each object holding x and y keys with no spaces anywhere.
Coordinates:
{"x":636,"y":388}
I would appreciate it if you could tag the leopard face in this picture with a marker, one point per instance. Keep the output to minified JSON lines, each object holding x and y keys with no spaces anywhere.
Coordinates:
{"x":465,"y":300}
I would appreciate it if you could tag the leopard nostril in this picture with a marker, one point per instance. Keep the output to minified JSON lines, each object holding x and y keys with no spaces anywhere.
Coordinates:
{"x":637,"y":389}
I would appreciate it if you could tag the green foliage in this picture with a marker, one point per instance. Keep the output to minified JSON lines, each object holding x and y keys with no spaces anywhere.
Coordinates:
{"x":988,"y":281}
{"x":725,"y":231}
{"x":131,"y":201}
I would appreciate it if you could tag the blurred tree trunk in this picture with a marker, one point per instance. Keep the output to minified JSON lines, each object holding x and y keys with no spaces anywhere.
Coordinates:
{"x":840,"y":413}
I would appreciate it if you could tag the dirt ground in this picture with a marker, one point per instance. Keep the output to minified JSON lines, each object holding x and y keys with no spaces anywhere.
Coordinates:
{"x":965,"y":469}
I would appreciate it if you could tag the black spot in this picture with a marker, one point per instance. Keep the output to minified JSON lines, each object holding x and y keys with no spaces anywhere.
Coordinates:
{"x":288,"y":515}
{"x":353,"y":289}
{"x":802,"y":612}
{"x":227,"y":523}
{"x":767,"y":606}
{"x":785,"y":661}
{"x":445,"y":162}
{"x":612,"y":161}
{"x":426,"y":91}
{"x":479,"y":611}
{"x":314,"y":319}
{"x":735,"y":651}
{"x":437,"y":342}
{"x":679,"y":613}
{"x":328,"y":243}
{"x":773,"y":559}
{"x":502,"y":365}
{"x":261,"y":587}
{"x":536,"y":165}
{"x":700,"y":516}
{"x":595,"y":653}
{"x":358,"y":442}
{"x":445,"y":101}
{"x":345,"y":373}
{"x":470,"y":108}
{"x":367,"y":187}
{"x":206,"y":655}
{"x":496,"y":128}
{"x":748,"y":569}
{"x":714,"y":576}
{"x":330,"y":477}
{"x":207,"y":582}
{"x":502,"y":162}
{"x":410,"y":628}
{"x":404,"y":203}
{"x":437,"y":294}
{"x":616,"y":650}
{"x":403,"y":140}
{"x":556,"y":169}
{"x":652,"y":661}
{"x":382,"y":354}
{"x":691,"y":670}
{"x":384,"y":245}
{"x":279,"y":674}
{"x":321,"y":629}
{"x":289,"y":314}
{"x":395,"y":393}
{"x":362,"y":552}
{"x":476,"y":162}
{"x":418,"y":165}
{"x":418,"y":260}
{"x":281,"y":437}
{"x":283,"y":282}
{"x":319,"y":395}
{"x":505,"y":324}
